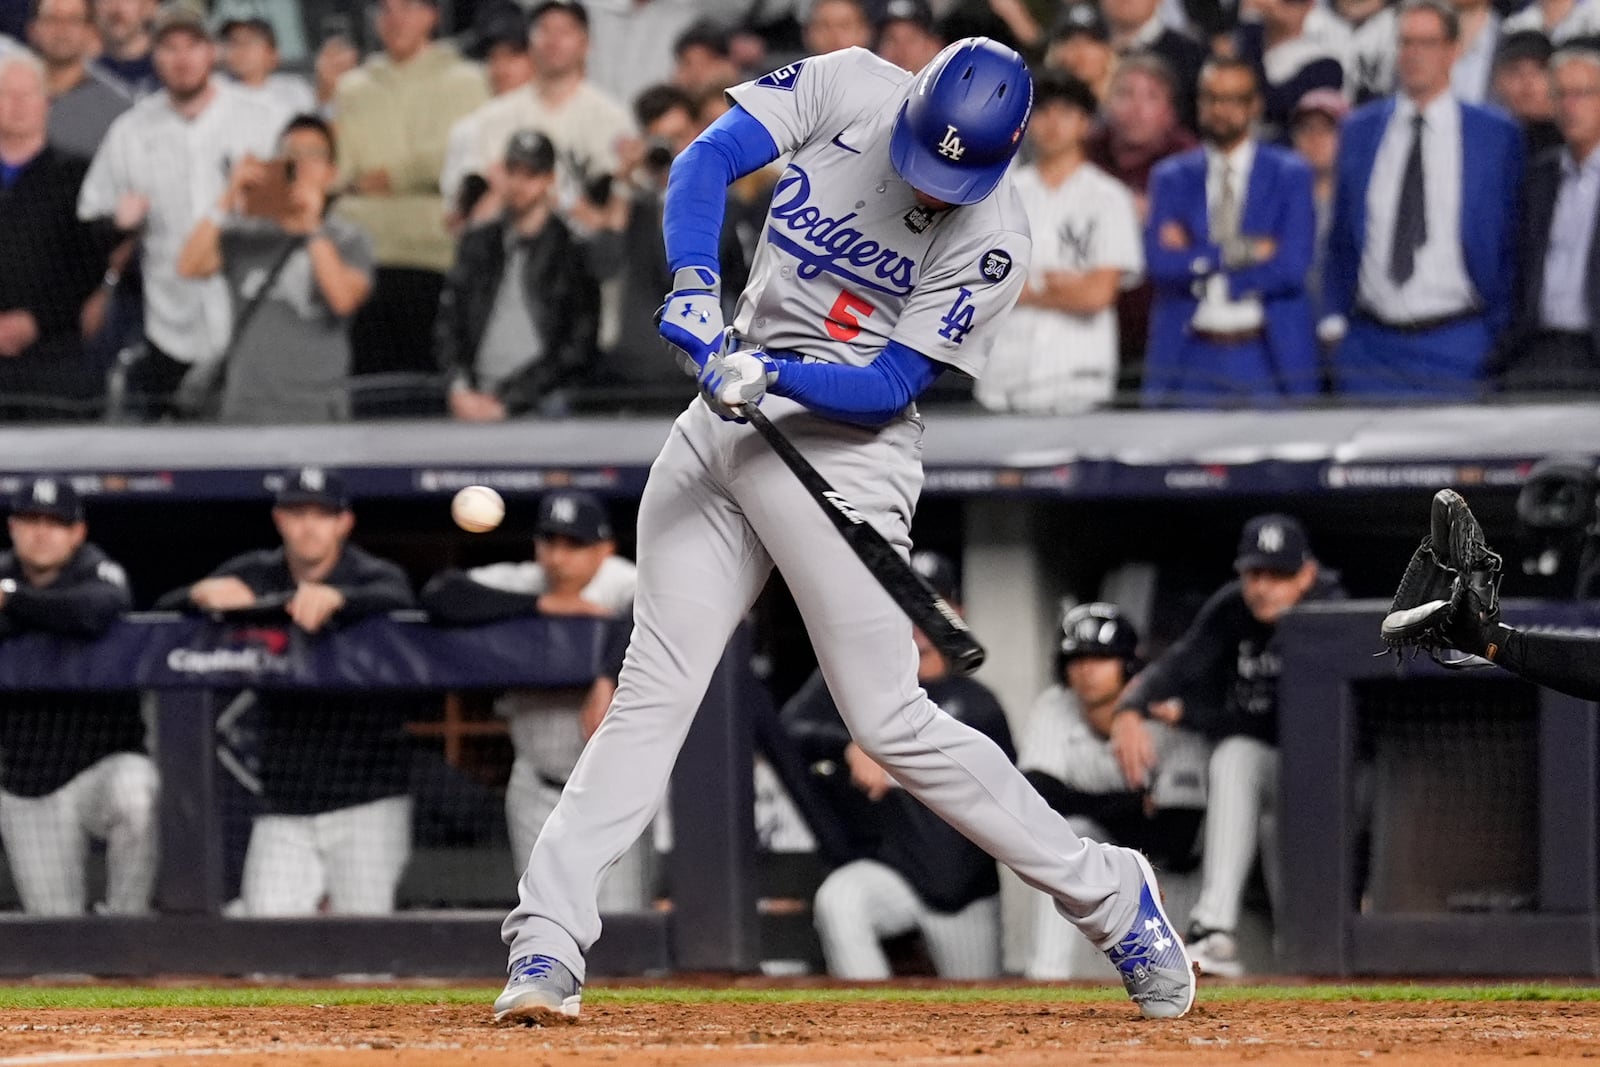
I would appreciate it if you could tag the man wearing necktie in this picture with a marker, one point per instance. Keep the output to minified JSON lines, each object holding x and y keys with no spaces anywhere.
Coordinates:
{"x":1421,"y":254}
{"x":1230,"y":236}
{"x":1554,"y":344}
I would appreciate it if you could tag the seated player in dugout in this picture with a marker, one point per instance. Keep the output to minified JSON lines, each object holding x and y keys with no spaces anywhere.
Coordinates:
{"x":334,"y":832}
{"x":1066,"y":755}
{"x":1221,"y":681}
{"x":915,"y":872}
{"x":72,"y":764}
{"x":575,"y":570}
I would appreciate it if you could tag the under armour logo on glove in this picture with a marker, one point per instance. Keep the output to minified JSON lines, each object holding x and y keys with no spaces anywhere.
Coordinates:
{"x":951,"y":147}
{"x":691,"y":318}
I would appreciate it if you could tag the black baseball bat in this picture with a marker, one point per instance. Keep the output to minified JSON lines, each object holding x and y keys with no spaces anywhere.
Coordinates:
{"x":927,"y":610}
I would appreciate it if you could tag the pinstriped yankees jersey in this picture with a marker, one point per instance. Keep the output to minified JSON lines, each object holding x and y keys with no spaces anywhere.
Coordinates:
{"x":848,"y":260}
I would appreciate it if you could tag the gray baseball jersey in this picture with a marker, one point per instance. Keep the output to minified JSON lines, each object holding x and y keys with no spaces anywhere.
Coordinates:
{"x":848,"y":260}
{"x":847,"y":263}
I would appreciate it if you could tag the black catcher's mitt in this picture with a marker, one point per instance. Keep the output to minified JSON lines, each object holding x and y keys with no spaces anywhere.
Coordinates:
{"x":1449,"y":597}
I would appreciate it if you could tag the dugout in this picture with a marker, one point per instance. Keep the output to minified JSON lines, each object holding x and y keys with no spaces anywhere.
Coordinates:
{"x":1035,"y":509}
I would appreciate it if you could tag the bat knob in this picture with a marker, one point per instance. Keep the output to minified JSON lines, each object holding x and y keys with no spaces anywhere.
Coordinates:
{"x":968,"y":660}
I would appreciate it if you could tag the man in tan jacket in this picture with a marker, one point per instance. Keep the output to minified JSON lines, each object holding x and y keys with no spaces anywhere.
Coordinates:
{"x":582,"y":122}
{"x":394,"y":114}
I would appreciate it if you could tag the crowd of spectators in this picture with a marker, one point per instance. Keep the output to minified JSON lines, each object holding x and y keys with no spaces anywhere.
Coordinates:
{"x":278,"y":210}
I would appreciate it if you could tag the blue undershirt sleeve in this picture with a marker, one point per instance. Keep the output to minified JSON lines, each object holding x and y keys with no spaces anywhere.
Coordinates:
{"x":697,"y":190}
{"x":863,"y":396}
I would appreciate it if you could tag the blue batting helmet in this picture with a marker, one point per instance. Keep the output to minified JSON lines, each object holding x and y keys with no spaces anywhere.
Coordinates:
{"x":956,"y":134}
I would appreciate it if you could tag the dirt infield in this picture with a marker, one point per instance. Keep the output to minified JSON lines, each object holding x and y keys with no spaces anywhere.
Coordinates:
{"x":858,"y":1032}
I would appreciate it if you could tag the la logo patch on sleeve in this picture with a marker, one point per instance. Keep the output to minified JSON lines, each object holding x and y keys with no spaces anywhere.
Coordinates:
{"x":995,"y":265}
{"x":782,"y":78}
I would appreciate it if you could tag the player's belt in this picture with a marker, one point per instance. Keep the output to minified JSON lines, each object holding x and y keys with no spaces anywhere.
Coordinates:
{"x":1228,"y":337}
{"x":1417,"y":325}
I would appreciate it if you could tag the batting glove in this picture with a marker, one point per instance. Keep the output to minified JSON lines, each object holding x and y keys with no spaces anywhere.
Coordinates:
{"x":731,"y":380}
{"x":691,"y":319}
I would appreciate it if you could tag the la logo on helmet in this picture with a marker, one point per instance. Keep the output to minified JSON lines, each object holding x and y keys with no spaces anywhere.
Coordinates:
{"x":951,"y":147}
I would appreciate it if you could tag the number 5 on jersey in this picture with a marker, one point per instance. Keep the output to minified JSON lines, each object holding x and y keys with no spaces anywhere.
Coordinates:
{"x":843,"y":323}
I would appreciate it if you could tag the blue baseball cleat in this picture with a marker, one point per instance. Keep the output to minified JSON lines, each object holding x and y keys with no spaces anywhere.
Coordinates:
{"x":540,"y":990}
{"x":1154,"y":966}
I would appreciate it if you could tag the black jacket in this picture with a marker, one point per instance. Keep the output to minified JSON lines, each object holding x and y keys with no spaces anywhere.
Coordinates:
{"x":324,"y":751}
{"x":48,"y":738}
{"x":453,"y":598}
{"x":563,"y":299}
{"x":50,"y":263}
{"x":1185,"y":56}
{"x":1224,"y":668}
{"x":947,"y":871}
{"x":639,"y":358}
{"x":1540,"y":188}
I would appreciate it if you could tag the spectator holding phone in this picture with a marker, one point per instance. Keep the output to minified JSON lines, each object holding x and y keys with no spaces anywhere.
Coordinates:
{"x":296,"y":275}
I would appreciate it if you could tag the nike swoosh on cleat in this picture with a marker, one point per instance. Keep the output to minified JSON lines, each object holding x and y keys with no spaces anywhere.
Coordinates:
{"x":840,"y":144}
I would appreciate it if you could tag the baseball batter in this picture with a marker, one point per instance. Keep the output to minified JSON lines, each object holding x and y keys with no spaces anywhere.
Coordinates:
{"x":893,"y":249}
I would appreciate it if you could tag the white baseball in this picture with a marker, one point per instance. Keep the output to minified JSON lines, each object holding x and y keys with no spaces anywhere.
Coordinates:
{"x":477,"y":509}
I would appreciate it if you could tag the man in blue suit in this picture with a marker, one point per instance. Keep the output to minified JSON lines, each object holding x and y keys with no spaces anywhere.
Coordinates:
{"x":1421,"y":258}
{"x":1230,"y":235}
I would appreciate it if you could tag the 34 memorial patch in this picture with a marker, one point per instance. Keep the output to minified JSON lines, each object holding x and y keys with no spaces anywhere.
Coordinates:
{"x":995,"y":265}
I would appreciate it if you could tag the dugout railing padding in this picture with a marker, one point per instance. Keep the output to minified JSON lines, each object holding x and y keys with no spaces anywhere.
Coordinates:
{"x":710,"y":926}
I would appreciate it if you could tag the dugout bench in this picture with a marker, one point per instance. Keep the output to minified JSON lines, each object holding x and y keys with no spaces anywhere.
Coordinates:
{"x":712,"y":924}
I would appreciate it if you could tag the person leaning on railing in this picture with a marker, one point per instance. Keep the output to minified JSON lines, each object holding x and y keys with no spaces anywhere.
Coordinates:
{"x":336,"y":819}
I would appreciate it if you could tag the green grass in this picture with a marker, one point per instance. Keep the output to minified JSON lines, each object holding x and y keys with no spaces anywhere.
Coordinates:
{"x":90,"y":998}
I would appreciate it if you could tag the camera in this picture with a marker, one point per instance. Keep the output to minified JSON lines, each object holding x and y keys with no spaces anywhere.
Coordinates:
{"x":657,"y":154}
{"x":597,"y":190}
{"x":1558,"y":510}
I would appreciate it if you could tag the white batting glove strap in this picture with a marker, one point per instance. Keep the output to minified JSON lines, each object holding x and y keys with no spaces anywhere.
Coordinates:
{"x":691,"y":318}
{"x":731,"y":380}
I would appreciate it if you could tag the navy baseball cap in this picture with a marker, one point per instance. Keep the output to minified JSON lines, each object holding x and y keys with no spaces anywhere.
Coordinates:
{"x":312,"y":485}
{"x":1081,"y":18}
{"x":939,"y":572}
{"x":251,"y":22}
{"x":571,"y":7}
{"x":496,"y":24}
{"x":917,"y":12}
{"x":53,"y":498}
{"x":574,"y":514}
{"x":1273,"y":543}
{"x":532,"y":151}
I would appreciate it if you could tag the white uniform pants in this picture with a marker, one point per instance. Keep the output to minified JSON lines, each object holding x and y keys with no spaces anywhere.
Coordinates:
{"x":718,"y":512}
{"x":1244,"y":794}
{"x":354,"y":856}
{"x":47,"y":838}
{"x":861,"y":903}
